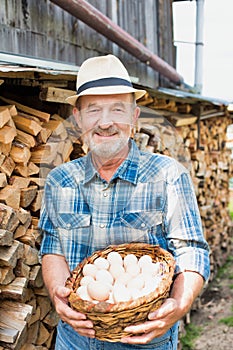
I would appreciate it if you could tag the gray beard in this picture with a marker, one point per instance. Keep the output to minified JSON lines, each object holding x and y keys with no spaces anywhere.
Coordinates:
{"x":108,"y":150}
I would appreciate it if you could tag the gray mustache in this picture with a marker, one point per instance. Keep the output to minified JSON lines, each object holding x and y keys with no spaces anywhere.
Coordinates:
{"x":106,"y":132}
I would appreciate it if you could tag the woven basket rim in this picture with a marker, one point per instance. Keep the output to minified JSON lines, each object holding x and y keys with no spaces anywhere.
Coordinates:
{"x":161,"y":292}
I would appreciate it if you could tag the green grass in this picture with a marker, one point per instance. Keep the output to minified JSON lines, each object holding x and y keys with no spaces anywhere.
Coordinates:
{"x":228,"y":321}
{"x":187,"y":340}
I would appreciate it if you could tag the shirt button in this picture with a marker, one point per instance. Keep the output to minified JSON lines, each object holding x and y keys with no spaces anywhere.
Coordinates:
{"x":102,"y":226}
{"x":143,"y":224}
{"x":105,"y":194}
{"x":68,"y":225}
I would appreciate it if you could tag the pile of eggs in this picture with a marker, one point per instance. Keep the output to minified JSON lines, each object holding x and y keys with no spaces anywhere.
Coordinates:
{"x":115,"y":279}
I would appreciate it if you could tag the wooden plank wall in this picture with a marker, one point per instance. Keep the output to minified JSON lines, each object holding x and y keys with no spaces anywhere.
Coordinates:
{"x":165,"y":35}
{"x":43,"y":30}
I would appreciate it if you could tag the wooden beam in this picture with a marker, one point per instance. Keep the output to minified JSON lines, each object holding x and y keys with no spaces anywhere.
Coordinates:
{"x":57,"y":95}
{"x":41,"y":115}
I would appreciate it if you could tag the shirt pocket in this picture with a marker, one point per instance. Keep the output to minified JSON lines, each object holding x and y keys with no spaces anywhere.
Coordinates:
{"x":70,"y":221}
{"x":74,"y":235}
{"x":143,"y":226}
{"x":144,"y":220}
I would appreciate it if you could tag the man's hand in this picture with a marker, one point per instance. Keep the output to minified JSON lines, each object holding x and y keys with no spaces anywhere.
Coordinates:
{"x":185,"y":289}
{"x":159,"y":322}
{"x":75,"y":319}
{"x":55,"y":282}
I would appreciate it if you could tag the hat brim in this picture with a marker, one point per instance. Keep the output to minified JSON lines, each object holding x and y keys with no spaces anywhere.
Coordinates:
{"x":106,"y":90}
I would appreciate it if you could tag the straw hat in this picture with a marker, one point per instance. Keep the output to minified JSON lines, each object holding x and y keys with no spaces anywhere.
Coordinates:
{"x":103,"y":75}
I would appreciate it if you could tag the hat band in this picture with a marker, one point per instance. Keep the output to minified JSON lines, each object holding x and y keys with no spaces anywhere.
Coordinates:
{"x":103,"y":82}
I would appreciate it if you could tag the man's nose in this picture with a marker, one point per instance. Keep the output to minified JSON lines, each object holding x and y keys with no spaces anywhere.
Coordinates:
{"x":105,"y":120}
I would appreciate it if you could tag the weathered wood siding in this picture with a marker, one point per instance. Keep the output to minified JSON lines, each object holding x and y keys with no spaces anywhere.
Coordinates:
{"x":43,"y":30}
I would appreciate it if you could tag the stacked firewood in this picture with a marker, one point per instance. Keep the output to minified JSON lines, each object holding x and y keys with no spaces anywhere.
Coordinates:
{"x":212,"y":170}
{"x":32,"y":142}
{"x":27,"y":316}
{"x":202,"y":148}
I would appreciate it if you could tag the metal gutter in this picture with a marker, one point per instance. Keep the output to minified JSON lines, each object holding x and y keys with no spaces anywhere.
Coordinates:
{"x":191,"y":97}
{"x":88,"y":14}
{"x":213,"y":115}
{"x":36,"y":62}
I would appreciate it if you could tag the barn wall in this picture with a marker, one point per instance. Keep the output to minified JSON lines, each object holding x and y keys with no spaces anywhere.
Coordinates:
{"x":43,"y":30}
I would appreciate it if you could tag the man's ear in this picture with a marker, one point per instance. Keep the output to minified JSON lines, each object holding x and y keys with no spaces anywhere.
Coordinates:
{"x":136,"y":114}
{"x":77,"y":116}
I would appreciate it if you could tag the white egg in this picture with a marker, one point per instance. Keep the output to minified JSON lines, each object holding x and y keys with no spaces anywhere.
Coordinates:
{"x":133,"y":269}
{"x":120,"y":294}
{"x":101,"y":263}
{"x":105,"y":276}
{"x":89,"y":270}
{"x":83,"y":293}
{"x":136,"y":282}
{"x":116,"y":270}
{"x":151,"y":269}
{"x":114,"y":258}
{"x":146,"y":275}
{"x":86,"y":280}
{"x":136,"y":293}
{"x":151,"y":285}
{"x":155,"y":269}
{"x":123,"y":279}
{"x":147,"y":279}
{"x":98,"y":290}
{"x":144,"y":260}
{"x":130,"y":259}
{"x":110,"y":299}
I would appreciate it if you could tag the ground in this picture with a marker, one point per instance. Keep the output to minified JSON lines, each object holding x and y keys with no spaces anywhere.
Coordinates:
{"x":216,"y":304}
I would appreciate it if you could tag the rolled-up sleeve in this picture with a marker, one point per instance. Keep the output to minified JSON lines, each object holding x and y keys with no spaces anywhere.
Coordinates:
{"x":184,"y":228}
{"x":47,"y":224}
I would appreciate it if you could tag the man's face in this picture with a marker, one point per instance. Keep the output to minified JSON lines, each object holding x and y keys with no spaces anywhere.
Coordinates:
{"x":106,"y":122}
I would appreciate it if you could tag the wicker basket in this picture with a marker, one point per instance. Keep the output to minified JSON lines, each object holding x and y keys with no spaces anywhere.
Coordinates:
{"x":110,"y":319}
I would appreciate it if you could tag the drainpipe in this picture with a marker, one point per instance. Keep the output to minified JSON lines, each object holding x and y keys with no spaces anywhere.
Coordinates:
{"x":102,"y":24}
{"x":198,"y":83}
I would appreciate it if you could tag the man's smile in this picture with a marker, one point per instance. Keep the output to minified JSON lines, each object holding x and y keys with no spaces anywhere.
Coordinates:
{"x":105,"y":133}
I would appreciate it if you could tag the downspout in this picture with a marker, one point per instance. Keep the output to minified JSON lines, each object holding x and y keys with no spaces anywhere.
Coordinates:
{"x":198,"y":83}
{"x":102,"y":24}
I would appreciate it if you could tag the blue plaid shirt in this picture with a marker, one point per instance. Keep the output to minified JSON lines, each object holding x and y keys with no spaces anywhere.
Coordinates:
{"x":149,"y":199}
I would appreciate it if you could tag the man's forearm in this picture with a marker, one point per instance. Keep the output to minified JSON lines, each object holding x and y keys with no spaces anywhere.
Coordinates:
{"x":186,"y":287}
{"x":55,"y":272}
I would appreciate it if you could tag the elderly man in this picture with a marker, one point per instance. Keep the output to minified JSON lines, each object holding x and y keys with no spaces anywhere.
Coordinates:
{"x":118,"y":194}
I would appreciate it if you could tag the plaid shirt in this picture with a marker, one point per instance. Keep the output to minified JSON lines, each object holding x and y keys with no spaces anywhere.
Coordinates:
{"x":149,"y":199}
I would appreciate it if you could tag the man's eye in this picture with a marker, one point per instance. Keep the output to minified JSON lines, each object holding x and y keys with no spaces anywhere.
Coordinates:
{"x":93,"y":110}
{"x":118,"y":109}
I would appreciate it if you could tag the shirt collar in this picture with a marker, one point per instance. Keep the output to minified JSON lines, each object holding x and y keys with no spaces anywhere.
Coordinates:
{"x":90,"y":170}
{"x":127,"y":171}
